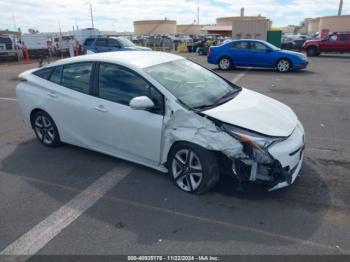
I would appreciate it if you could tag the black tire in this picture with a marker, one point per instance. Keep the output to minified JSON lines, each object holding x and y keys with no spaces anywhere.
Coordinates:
{"x":188,"y":177}
{"x":283,"y":65}
{"x":225,"y":63}
{"x":45,"y":129}
{"x":312,"y":51}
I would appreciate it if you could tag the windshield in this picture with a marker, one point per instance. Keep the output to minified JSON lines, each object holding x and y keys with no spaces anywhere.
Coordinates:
{"x":125,"y":42}
{"x":192,"y":84}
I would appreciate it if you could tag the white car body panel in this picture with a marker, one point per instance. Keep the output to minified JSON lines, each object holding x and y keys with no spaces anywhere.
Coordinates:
{"x":256,"y":112}
{"x":137,"y":135}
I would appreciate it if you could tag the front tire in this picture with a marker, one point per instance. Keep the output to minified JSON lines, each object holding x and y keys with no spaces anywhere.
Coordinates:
{"x":283,"y":65}
{"x":312,"y":51}
{"x":45,"y":129}
{"x":225,"y":64}
{"x":193,"y":168}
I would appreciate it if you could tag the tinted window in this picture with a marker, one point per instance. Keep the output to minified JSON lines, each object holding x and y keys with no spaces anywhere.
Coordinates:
{"x":257,"y":46}
{"x":240,"y":45}
{"x":344,"y":37}
{"x":43,"y":73}
{"x":120,"y":85}
{"x":113,"y":43}
{"x":56,"y":75}
{"x":101,"y":42}
{"x":89,"y":41}
{"x":77,"y":76}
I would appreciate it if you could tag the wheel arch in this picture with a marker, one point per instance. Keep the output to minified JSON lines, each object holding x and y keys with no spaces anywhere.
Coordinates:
{"x":33,"y":112}
{"x":166,"y":159}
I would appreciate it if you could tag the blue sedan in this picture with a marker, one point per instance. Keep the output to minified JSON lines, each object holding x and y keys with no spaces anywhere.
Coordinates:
{"x":255,"y":53}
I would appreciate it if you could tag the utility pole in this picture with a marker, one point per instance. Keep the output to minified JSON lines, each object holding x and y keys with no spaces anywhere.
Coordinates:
{"x":198,"y":14}
{"x":340,"y":7}
{"x":92,"y":16}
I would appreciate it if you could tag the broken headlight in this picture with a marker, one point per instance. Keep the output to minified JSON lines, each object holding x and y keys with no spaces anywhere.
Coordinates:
{"x":254,"y":145}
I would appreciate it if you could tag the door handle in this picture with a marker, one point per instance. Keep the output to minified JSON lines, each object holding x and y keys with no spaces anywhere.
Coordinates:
{"x":100,"y":108}
{"x":52,"y":94}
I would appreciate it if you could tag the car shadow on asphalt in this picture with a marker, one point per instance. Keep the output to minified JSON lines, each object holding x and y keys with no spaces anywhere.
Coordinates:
{"x":167,"y":213}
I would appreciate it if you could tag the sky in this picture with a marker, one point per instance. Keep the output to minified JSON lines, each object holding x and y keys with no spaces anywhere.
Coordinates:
{"x":118,"y":15}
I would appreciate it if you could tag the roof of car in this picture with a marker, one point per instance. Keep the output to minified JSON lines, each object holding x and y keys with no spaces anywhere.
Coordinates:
{"x":140,"y":59}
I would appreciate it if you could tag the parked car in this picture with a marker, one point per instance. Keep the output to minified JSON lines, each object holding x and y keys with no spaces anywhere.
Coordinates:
{"x":7,"y":48}
{"x":36,"y":44}
{"x":165,"y":112}
{"x":109,"y":44}
{"x":292,"y":43}
{"x":255,"y":53}
{"x":336,"y":42}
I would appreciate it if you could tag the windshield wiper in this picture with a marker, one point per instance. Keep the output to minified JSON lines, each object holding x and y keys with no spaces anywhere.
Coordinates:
{"x":227,"y":97}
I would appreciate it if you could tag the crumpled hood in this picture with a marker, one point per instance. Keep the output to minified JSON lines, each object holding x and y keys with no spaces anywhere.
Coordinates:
{"x":256,"y":112}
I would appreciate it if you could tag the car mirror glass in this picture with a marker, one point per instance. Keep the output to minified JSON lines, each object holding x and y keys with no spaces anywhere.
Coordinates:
{"x":141,"y":103}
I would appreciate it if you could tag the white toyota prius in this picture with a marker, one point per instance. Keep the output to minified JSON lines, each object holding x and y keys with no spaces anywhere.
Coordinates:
{"x":165,"y":112}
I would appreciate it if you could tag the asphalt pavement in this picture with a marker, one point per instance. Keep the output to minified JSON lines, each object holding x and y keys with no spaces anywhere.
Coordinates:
{"x":57,"y":201}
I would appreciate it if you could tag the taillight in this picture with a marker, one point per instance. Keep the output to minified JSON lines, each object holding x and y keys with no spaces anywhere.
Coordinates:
{"x":21,"y":78}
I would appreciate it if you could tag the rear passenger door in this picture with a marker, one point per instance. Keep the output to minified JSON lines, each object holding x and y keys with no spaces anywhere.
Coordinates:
{"x":69,"y":102}
{"x":240,"y":53}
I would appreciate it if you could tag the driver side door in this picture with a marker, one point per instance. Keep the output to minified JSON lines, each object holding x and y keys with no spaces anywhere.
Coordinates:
{"x":119,"y":129}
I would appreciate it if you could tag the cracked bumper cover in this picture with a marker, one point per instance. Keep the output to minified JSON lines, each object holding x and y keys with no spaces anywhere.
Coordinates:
{"x":287,"y":158}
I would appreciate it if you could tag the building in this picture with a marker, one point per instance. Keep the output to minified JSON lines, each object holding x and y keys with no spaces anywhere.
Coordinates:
{"x":154,"y":27}
{"x":189,"y":29}
{"x":329,"y":24}
{"x":232,"y":26}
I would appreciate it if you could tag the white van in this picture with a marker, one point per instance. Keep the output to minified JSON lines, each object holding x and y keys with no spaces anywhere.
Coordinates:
{"x":36,"y":44}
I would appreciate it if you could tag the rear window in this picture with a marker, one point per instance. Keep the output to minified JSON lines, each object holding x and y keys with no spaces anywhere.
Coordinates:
{"x":43,"y":73}
{"x":56,"y":75}
{"x":77,"y":76}
{"x":240,"y":45}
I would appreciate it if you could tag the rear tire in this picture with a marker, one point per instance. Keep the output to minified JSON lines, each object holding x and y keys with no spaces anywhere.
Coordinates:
{"x":45,"y":129}
{"x":193,"y":168}
{"x":312,"y":51}
{"x":225,"y":64}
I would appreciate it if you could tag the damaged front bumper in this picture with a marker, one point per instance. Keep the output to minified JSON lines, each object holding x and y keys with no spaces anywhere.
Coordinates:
{"x":284,"y":167}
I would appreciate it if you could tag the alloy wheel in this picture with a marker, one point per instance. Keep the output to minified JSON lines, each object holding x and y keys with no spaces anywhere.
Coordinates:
{"x":187,"y":170}
{"x":44,"y":129}
{"x":225,"y":63}
{"x":283,"y":65}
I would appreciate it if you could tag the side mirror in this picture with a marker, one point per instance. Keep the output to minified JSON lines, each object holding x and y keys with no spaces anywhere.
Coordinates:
{"x":268,"y":50}
{"x":141,"y":103}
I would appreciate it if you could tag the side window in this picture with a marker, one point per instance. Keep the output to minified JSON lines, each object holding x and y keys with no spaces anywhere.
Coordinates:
{"x":258,"y":46}
{"x":77,"y":76}
{"x":344,"y":37}
{"x":101,"y":42}
{"x":43,"y":73}
{"x":240,"y":45}
{"x":89,"y":41}
{"x":333,"y":38}
{"x":56,"y":75}
{"x":113,"y":43}
{"x":120,"y":85}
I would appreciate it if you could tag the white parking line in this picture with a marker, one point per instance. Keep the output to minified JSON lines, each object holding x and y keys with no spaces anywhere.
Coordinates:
{"x":240,"y":76}
{"x":32,"y":241}
{"x":8,"y":99}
